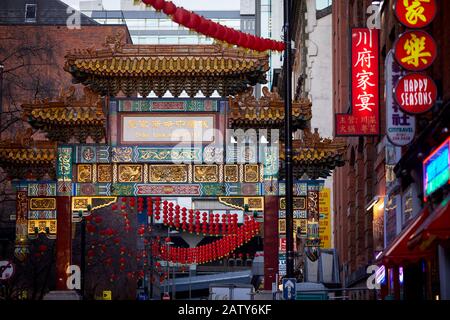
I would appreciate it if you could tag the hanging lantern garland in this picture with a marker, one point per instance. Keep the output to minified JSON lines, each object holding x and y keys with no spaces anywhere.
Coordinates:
{"x":211,"y":251}
{"x":213,"y":29}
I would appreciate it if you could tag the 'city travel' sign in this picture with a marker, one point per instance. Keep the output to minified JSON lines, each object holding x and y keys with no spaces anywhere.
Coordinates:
{"x":364,"y":118}
{"x":416,"y":93}
{"x":400,"y":126}
{"x":415,"y":50}
{"x":415,"y":13}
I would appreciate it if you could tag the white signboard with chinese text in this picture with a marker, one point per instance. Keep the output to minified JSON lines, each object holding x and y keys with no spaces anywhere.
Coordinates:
{"x":167,"y":128}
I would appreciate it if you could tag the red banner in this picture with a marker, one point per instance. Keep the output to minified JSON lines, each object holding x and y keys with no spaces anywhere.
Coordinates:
{"x":364,"y":117}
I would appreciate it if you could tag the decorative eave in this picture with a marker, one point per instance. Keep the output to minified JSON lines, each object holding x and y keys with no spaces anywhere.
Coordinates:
{"x":67,"y":116}
{"x":267,"y":112}
{"x":24,"y":158}
{"x":159,"y":68}
{"x":314,"y":156}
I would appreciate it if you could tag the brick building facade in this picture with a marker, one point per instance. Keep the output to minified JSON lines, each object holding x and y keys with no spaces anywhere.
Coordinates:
{"x":362,"y":181}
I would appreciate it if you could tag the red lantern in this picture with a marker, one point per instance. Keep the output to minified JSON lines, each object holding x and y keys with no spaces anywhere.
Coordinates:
{"x":181,"y":16}
{"x":194,"y":21}
{"x":158,"y":4}
{"x":203,"y":26}
{"x":90,"y":228}
{"x":42,"y":248}
{"x":234,"y":36}
{"x":169,"y":8}
{"x":98,"y":220}
{"x":212,"y":28}
{"x":90,"y":254}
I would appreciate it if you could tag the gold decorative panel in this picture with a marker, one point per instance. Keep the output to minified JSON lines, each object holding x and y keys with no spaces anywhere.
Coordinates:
{"x":251,"y":173}
{"x":42,"y":204}
{"x":255,"y":203}
{"x":104,"y":173}
{"x":168,"y":173}
{"x":41,"y":226}
{"x":299,"y":203}
{"x":80,"y":203}
{"x":130,"y":173}
{"x":231,"y":173}
{"x":205,"y":173}
{"x":84,"y":173}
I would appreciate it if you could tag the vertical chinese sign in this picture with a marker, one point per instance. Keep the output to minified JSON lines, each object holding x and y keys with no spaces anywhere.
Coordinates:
{"x":325,"y":219}
{"x":364,"y":117}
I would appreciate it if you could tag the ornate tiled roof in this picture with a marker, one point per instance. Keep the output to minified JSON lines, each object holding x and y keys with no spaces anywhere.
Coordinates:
{"x":314,"y":156}
{"x":160,"y":68}
{"x":21,"y":156}
{"x":267,"y":112}
{"x":68,"y":116}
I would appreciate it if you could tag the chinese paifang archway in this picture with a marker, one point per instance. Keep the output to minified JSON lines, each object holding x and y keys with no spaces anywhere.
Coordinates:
{"x":110,"y":155}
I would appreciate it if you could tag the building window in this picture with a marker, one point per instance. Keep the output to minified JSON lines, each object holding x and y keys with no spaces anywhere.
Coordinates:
{"x":30,"y":12}
{"x":322,"y":4}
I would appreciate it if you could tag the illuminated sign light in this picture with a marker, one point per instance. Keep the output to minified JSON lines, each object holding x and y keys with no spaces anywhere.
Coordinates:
{"x":415,"y":14}
{"x":400,"y":274}
{"x":380,"y":275}
{"x":364,"y":117}
{"x":436,"y":169}
{"x":415,"y":50}
{"x":416,"y":93}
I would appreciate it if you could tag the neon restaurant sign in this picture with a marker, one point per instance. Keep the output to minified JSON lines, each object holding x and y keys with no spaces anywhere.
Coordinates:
{"x":364,"y":118}
{"x":436,"y":169}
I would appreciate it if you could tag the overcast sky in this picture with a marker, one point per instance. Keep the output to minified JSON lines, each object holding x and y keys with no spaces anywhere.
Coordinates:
{"x":187,"y":4}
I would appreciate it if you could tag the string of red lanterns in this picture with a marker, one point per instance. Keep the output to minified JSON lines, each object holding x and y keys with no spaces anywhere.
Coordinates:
{"x":213,"y":29}
{"x":211,"y":251}
{"x":187,"y":220}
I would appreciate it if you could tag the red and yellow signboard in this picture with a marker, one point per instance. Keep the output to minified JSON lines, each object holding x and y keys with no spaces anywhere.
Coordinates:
{"x":364,"y":118}
{"x":416,"y":93}
{"x":415,"y":50}
{"x":415,"y":13}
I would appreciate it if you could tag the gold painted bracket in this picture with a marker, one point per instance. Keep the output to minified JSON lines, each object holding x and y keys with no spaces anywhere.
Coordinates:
{"x":82,"y":204}
{"x":254,"y":203}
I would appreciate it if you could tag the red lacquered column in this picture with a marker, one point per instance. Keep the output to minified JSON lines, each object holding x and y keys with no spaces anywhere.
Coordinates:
{"x":270,"y":240}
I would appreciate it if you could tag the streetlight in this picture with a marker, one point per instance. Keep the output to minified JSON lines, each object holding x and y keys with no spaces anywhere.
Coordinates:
{"x":288,"y":141}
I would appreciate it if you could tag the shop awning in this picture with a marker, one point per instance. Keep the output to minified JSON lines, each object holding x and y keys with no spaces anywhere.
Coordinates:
{"x":435,"y":227}
{"x":398,"y":251}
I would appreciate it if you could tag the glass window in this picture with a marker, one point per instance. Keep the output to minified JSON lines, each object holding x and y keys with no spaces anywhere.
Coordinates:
{"x":168,"y":40}
{"x":30,"y":12}
{"x":321,"y":4}
{"x":188,"y":40}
